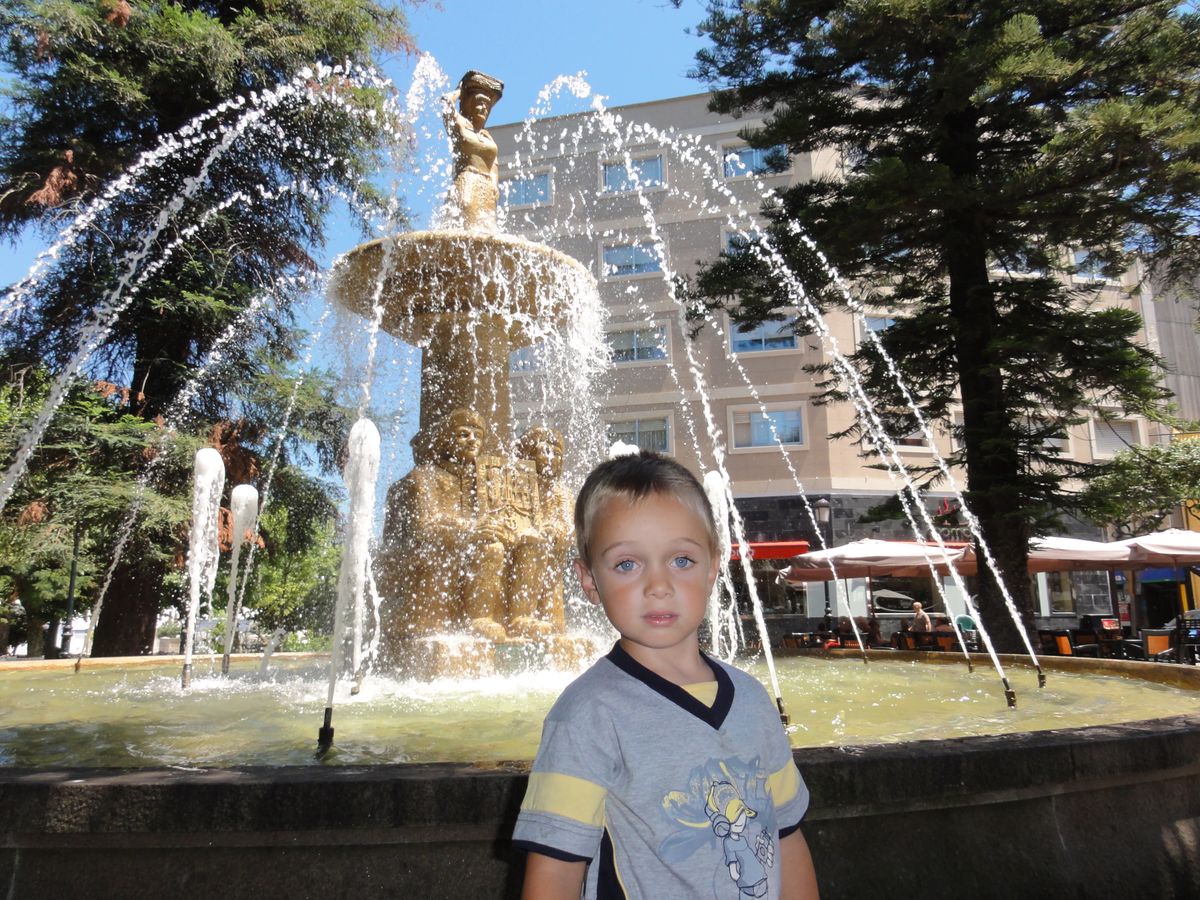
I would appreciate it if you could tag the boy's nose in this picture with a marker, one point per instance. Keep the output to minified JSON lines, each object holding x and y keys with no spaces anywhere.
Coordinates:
{"x":658,"y":582}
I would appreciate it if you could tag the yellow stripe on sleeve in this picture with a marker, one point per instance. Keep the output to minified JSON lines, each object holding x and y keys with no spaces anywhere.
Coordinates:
{"x":566,"y":796}
{"x":784,"y":784}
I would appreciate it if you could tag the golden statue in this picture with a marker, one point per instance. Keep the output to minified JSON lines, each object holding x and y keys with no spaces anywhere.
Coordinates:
{"x":475,"y":542}
{"x":536,"y":605}
{"x":448,"y":560}
{"x":476,"y":172}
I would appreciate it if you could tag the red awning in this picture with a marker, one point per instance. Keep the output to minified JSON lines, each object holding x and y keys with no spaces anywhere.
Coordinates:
{"x":772,"y":549}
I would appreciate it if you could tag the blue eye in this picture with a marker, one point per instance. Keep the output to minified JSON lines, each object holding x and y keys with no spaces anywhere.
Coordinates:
{"x":625,"y":565}
{"x":684,"y":562}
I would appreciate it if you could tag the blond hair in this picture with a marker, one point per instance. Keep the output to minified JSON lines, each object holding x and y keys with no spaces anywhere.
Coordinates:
{"x":632,"y":478}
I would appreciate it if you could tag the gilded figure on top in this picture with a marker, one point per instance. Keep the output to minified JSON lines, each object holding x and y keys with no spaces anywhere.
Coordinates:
{"x":476,"y":170}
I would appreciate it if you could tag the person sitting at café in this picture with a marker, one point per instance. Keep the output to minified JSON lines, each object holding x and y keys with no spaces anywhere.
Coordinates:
{"x":942,"y":625}
{"x":920,"y":620}
{"x":844,"y":633}
{"x":869,"y":629}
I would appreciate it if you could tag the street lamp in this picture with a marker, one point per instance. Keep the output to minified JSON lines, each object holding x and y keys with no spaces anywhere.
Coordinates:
{"x":822,"y":510}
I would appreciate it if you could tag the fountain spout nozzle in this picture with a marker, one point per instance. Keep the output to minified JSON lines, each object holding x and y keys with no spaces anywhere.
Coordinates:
{"x":783,"y":716}
{"x":1041,"y":677}
{"x":325,"y":734}
{"x":1009,"y":694}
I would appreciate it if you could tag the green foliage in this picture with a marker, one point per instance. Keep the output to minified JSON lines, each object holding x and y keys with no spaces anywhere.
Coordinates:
{"x":1142,"y":486}
{"x":296,"y":584}
{"x":981,"y":144}
{"x":84,"y":473}
{"x":94,"y":86}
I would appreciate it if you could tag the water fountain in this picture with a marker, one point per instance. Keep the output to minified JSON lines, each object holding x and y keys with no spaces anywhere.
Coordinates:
{"x":469,"y":296}
{"x":477,"y":534}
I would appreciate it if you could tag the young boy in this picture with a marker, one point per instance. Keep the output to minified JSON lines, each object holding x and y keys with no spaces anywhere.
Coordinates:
{"x":662,"y":773}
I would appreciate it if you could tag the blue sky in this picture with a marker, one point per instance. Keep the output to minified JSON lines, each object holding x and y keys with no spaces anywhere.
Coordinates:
{"x":631,"y":51}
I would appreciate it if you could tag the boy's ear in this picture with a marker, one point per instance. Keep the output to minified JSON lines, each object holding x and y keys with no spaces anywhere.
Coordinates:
{"x":586,"y":581}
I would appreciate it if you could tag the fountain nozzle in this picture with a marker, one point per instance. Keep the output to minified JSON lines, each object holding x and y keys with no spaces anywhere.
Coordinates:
{"x":783,"y":716}
{"x":325,"y":734}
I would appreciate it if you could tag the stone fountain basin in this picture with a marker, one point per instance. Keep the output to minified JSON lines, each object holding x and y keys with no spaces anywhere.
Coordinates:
{"x":1106,"y":811}
{"x":455,"y":272}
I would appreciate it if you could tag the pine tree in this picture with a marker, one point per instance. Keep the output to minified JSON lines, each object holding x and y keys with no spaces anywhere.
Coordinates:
{"x":983,"y":144}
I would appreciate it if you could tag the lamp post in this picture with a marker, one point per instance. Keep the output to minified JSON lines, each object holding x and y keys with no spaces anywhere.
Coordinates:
{"x":824,"y":517}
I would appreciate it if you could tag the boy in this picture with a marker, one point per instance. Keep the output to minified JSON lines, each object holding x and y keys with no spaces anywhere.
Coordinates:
{"x":662,"y":773}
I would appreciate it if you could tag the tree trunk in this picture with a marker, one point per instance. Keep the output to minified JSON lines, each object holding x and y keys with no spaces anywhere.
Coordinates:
{"x":992,"y":462}
{"x":35,"y":637}
{"x":130,"y":613}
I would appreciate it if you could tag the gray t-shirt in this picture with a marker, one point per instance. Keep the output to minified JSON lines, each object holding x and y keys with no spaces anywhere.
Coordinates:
{"x":663,"y":796}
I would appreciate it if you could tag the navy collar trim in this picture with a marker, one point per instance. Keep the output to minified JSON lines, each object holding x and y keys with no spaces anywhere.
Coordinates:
{"x":712,"y":715}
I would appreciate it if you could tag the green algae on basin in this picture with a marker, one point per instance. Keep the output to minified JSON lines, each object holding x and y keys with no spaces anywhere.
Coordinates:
{"x":142,"y":718}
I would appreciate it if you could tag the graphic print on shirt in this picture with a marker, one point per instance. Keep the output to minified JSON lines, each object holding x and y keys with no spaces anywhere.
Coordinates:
{"x":725,"y":807}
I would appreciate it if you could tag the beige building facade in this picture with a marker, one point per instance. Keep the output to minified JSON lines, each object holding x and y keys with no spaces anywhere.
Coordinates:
{"x":645,"y":197}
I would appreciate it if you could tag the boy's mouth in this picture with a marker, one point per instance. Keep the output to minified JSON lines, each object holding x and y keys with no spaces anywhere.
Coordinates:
{"x":660,"y":618}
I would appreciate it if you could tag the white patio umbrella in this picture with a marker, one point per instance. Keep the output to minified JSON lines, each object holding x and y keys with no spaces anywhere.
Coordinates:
{"x":865,"y":558}
{"x":1173,"y":547}
{"x":1057,"y":554}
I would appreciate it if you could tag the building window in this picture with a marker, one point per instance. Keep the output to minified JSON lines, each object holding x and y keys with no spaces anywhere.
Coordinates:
{"x":528,"y":190}
{"x":1059,"y":592}
{"x":1054,"y":438}
{"x":638,"y":344}
{"x":740,"y":161}
{"x":623,"y":260}
{"x":755,"y":428}
{"x":1087,"y":267}
{"x":853,"y":158}
{"x":877,"y":324}
{"x":764,"y":336}
{"x":1113,"y":436}
{"x":1019,"y":262}
{"x":526,"y":359}
{"x":646,"y":172}
{"x":651,"y":433}
{"x":736,"y":241}
{"x":912,"y":440}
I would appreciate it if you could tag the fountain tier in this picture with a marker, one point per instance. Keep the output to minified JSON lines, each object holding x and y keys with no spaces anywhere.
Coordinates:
{"x":468,"y":299}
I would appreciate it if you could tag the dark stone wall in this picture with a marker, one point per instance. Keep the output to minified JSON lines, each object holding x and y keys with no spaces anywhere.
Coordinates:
{"x":1102,"y":812}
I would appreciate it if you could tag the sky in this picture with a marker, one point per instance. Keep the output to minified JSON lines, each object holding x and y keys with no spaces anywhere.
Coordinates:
{"x":631,"y":51}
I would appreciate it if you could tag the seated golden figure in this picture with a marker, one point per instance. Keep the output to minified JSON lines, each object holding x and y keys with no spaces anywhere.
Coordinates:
{"x":476,"y":543}
{"x":443,"y":564}
{"x":535,"y":600}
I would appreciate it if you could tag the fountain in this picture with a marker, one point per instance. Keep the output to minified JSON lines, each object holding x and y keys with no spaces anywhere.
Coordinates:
{"x":478,"y":533}
{"x":1092,"y":806}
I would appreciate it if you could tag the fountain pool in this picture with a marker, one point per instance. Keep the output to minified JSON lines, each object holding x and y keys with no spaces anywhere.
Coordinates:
{"x":140,"y":717}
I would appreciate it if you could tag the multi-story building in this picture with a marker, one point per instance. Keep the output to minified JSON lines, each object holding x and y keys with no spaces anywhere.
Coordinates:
{"x":610,"y":195}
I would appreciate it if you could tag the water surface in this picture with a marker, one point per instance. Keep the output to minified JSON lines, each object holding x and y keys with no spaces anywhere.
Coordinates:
{"x":141,"y":717}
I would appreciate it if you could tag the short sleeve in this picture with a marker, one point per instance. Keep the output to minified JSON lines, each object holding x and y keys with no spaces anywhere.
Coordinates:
{"x":784,"y":782}
{"x":787,"y":788}
{"x":562,"y":814}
